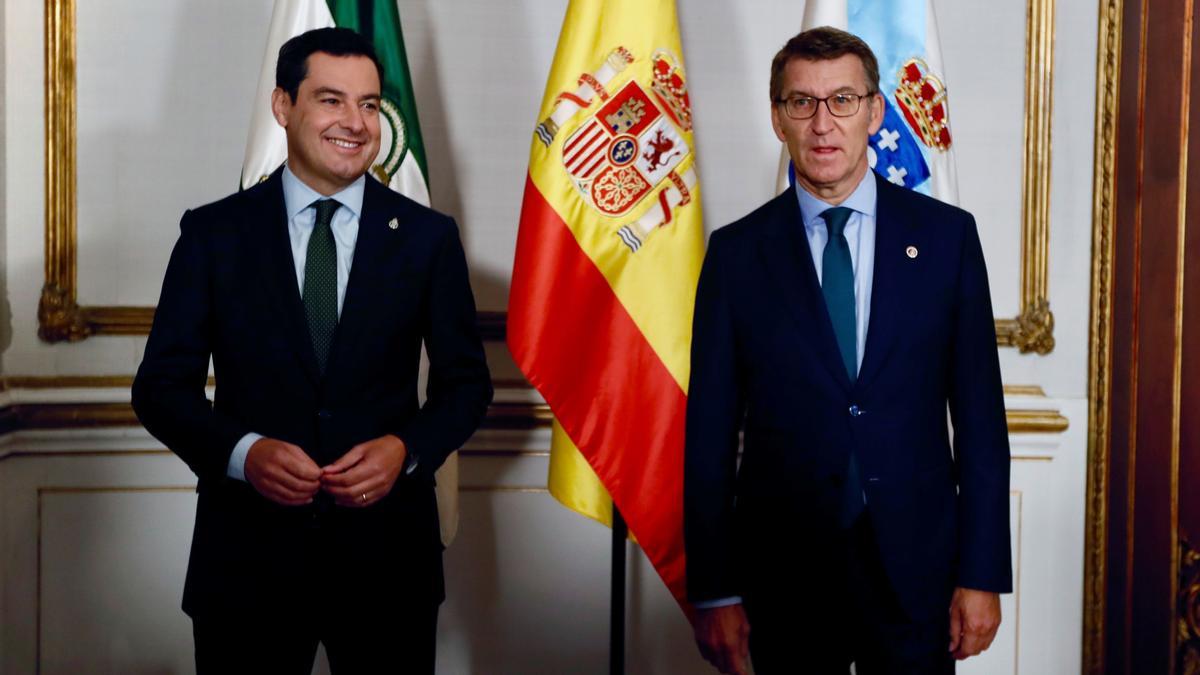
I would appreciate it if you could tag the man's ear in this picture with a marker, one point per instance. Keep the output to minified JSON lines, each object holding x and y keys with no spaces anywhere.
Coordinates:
{"x":877,"y":107}
{"x":775,"y":123}
{"x":281,"y":105}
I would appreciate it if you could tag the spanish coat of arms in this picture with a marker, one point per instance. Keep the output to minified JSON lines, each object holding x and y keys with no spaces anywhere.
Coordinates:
{"x":632,"y":144}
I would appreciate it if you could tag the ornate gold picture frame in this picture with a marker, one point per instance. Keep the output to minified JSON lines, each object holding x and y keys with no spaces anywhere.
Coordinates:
{"x":62,"y":318}
{"x":1033,"y":329}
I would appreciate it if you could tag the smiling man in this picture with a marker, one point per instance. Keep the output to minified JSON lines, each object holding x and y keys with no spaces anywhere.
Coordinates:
{"x":835,"y":326}
{"x":312,"y":293}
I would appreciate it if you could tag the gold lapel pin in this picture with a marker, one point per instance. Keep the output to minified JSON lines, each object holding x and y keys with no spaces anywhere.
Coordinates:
{"x":911,"y":251}
{"x":395,"y":224}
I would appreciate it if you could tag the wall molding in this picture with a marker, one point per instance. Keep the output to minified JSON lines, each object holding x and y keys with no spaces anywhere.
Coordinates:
{"x":22,"y":413}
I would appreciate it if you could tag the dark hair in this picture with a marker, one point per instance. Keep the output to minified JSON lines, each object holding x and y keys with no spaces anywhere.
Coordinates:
{"x":292,"y":66}
{"x":824,"y":44}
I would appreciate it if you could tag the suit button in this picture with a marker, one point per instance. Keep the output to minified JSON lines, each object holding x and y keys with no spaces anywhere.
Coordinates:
{"x":324,"y":414}
{"x":855,"y":411}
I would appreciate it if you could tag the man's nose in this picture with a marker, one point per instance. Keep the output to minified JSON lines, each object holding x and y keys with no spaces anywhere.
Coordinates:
{"x":353,"y":120}
{"x":822,"y":120}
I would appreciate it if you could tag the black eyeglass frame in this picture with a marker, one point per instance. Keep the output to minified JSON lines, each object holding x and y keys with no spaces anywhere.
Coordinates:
{"x":858,"y":99}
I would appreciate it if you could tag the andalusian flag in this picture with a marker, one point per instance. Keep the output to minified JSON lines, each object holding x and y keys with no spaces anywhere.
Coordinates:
{"x":401,"y":162}
{"x":914,"y":147}
{"x":609,"y":251}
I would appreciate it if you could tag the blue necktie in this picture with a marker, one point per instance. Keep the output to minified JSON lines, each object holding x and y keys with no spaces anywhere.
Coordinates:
{"x":320,"y":282}
{"x":837,"y":285}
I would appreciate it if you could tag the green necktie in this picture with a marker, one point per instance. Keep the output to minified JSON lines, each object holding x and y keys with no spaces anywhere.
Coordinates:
{"x":837,"y":285}
{"x":320,"y":282}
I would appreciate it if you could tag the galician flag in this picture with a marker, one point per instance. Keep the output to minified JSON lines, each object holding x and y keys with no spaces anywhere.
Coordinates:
{"x":401,"y":162}
{"x":914,"y":146}
{"x":608,"y":255}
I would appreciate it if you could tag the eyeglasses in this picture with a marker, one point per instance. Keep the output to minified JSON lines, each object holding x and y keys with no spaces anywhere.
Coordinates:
{"x":839,"y":105}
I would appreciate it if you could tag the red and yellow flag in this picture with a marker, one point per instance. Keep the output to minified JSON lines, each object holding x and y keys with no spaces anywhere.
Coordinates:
{"x":608,"y":254}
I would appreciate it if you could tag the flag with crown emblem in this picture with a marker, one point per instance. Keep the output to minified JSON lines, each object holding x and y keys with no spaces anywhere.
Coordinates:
{"x":608,"y":256}
{"x":914,"y":146}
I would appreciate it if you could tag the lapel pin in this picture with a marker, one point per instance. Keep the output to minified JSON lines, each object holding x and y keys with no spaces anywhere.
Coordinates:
{"x":911,"y":251}
{"x":394,"y":224}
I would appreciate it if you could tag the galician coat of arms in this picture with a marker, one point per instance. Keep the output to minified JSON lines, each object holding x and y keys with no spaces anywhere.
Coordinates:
{"x":631,"y":146}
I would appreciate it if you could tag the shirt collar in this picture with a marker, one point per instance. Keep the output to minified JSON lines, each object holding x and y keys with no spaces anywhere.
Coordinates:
{"x":298,"y":196}
{"x":861,"y":200}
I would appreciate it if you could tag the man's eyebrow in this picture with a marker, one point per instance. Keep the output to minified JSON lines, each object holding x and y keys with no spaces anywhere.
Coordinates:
{"x":323,"y":91}
{"x":847,"y":89}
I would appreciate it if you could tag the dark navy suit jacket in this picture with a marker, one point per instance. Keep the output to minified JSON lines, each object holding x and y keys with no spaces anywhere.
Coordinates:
{"x":230,"y":291}
{"x":765,"y":361}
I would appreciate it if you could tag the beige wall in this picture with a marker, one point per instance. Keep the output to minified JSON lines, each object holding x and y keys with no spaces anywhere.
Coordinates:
{"x":94,"y":523}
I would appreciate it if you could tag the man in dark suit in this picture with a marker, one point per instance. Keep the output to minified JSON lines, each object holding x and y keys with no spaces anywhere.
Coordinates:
{"x":312,"y":293}
{"x":835,"y":325}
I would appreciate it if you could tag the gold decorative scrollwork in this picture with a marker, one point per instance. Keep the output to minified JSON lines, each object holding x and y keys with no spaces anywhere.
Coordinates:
{"x":1035,"y":329}
{"x":59,"y":318}
{"x":1187,"y":646}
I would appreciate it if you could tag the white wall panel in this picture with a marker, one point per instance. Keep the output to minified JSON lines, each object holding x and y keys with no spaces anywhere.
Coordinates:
{"x":164,"y":96}
{"x":111,"y":564}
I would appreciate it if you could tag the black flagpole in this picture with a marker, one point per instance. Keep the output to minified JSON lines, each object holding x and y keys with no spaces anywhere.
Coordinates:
{"x":616,"y":638}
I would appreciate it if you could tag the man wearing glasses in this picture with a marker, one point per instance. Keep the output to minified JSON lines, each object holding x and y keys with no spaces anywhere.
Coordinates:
{"x":835,"y":326}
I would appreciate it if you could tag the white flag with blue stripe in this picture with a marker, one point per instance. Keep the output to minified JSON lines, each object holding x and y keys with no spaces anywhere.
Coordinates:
{"x":914,"y":146}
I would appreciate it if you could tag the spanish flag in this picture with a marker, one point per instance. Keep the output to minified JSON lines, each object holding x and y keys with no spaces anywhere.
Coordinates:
{"x":608,"y":254}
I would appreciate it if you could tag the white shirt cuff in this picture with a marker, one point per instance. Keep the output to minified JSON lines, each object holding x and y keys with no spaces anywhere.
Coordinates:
{"x":237,"y":460}
{"x":719,"y":602}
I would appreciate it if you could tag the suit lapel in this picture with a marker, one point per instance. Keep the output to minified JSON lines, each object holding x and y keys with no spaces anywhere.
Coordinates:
{"x":270,"y":222}
{"x":788,"y":260}
{"x":894,"y":233}
{"x":369,"y":254}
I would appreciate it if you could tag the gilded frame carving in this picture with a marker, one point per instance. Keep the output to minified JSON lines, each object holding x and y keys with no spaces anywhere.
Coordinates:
{"x":1108,"y":68}
{"x":62,"y":318}
{"x":1033,"y":329}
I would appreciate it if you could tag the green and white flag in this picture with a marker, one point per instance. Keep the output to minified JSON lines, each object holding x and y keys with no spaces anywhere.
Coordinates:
{"x":401,"y":163}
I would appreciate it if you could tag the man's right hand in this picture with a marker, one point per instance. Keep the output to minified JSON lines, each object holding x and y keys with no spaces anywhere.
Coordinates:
{"x":282,"y":472}
{"x":723,"y":635}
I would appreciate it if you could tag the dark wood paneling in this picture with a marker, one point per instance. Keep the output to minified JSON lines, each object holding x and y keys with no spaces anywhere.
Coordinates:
{"x":1189,"y":431}
{"x":1125,"y":236}
{"x":1153,"y":181}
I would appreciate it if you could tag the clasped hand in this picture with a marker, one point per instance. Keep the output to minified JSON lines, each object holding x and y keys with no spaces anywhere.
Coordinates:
{"x":283,"y":473}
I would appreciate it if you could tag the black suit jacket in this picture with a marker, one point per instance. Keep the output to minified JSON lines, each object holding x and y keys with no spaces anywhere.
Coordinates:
{"x":764,"y":357}
{"x":230,"y":292}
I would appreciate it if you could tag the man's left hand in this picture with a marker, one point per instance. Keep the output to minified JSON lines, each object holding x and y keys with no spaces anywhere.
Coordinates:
{"x":366,"y":473}
{"x":974,"y":620}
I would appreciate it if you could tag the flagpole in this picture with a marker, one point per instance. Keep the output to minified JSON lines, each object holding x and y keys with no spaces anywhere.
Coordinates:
{"x":616,"y":639}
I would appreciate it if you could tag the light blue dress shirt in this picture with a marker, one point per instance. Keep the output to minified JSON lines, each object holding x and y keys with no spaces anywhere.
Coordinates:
{"x":860,"y":235}
{"x":298,"y":201}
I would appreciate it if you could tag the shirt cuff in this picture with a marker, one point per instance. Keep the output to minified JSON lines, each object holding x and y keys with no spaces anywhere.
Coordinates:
{"x":719,"y":602}
{"x":237,"y":460}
